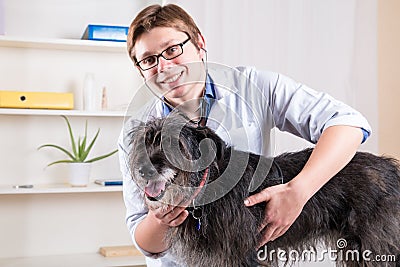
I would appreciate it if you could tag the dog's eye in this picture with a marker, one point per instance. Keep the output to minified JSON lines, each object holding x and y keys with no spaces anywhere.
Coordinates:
{"x":157,"y":139}
{"x":148,"y":137}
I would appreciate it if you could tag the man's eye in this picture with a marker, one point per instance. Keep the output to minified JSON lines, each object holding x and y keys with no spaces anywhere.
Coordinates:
{"x":172,"y":50}
{"x":149,"y":60}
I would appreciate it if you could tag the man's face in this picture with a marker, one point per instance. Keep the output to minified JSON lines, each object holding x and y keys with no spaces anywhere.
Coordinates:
{"x":179,"y":79}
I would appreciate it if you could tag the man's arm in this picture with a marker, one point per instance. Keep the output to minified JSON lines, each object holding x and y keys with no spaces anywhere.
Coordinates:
{"x":150,"y":232}
{"x":335,"y":148}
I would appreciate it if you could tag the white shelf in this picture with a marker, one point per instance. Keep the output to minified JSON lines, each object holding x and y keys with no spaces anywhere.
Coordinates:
{"x":63,"y":44}
{"x":73,"y":260}
{"x":58,"y":189}
{"x":52,"y":112}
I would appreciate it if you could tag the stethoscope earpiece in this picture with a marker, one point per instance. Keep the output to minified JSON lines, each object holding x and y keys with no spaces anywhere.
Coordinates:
{"x":206,"y":57}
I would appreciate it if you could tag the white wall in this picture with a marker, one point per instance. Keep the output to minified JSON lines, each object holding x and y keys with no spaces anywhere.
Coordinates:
{"x":389,"y":76}
{"x":65,"y":19}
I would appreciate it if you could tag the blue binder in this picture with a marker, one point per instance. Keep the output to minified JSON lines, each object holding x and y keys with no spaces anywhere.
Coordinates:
{"x":106,"y":33}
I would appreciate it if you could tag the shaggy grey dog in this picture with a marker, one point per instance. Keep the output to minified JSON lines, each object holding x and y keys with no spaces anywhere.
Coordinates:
{"x":175,"y":162}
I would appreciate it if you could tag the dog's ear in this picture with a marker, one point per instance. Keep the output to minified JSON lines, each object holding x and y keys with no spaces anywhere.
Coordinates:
{"x":220,"y":146}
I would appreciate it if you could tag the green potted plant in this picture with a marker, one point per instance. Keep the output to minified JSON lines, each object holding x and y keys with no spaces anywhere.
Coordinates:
{"x":78,"y":161}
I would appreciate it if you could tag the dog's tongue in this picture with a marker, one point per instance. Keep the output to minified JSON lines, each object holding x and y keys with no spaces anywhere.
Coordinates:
{"x":154,"y":188}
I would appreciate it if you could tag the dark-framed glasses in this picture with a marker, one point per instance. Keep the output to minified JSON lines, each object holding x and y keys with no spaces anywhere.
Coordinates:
{"x":170,"y":53}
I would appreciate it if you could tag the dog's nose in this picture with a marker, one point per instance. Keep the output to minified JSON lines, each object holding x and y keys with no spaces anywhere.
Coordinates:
{"x":147,"y":171}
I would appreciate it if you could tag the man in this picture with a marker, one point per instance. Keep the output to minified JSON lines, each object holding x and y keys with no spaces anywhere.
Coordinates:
{"x":170,"y":53}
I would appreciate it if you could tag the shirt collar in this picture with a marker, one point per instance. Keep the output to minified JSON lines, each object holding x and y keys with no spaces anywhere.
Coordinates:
{"x":209,"y":96}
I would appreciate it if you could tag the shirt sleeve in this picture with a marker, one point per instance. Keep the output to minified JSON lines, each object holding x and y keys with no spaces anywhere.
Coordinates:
{"x":136,"y":210}
{"x":303,"y":111}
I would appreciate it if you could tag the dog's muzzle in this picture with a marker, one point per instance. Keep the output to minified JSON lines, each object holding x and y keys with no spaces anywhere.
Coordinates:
{"x":155,"y":189}
{"x":154,"y":183}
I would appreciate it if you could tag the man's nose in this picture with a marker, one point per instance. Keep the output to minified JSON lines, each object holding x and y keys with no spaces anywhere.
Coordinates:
{"x":163,"y":64}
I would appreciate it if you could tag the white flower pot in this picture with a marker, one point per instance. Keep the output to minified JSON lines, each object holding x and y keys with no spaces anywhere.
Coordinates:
{"x":79,"y":173}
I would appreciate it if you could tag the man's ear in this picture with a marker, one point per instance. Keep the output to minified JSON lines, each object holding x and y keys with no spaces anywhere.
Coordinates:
{"x":201,"y":44}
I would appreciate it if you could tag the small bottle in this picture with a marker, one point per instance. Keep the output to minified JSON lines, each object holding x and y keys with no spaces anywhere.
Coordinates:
{"x":89,"y":94}
{"x":104,"y":103}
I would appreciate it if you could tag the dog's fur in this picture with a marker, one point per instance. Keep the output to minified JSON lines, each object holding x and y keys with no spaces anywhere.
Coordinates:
{"x":360,"y":204}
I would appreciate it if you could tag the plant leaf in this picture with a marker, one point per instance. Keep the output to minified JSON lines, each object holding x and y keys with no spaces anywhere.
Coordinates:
{"x":84,"y":140}
{"x":87,"y":150}
{"x":82,"y":151}
{"x":71,"y":135}
{"x":60,"y":148}
{"x":102,"y":157}
{"x":79,"y":148}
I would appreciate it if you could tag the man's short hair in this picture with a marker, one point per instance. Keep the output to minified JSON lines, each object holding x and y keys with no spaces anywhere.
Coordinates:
{"x":154,"y":16}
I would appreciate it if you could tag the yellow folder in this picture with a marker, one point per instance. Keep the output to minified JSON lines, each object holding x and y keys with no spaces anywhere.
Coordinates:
{"x":39,"y":100}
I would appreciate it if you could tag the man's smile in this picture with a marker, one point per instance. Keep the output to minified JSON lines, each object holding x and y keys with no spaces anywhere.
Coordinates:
{"x":172,"y":79}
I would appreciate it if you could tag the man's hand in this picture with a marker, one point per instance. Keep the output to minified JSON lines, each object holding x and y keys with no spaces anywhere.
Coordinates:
{"x":169,"y":215}
{"x":283,"y":205}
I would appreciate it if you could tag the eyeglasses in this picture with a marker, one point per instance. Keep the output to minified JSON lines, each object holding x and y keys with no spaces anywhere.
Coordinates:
{"x":171,"y":52}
